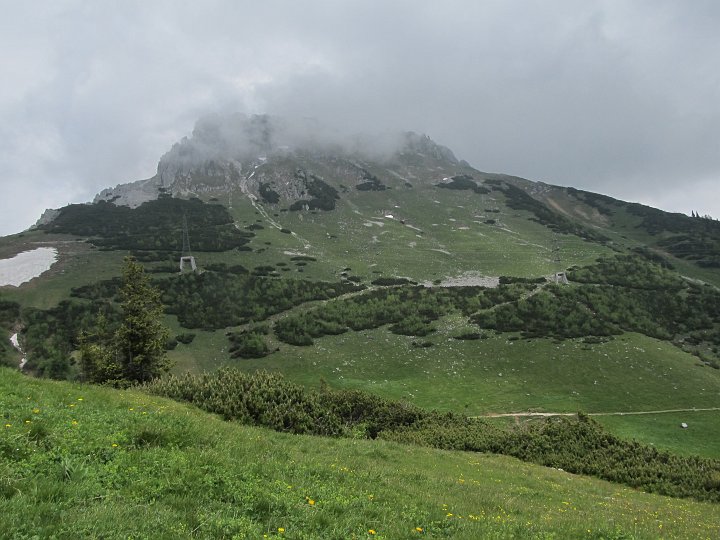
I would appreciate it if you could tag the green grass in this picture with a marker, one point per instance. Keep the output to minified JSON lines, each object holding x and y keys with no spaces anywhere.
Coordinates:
{"x":630,"y":373}
{"x":702,"y":436}
{"x":452,"y":236}
{"x":82,"y":461}
{"x":496,"y":375}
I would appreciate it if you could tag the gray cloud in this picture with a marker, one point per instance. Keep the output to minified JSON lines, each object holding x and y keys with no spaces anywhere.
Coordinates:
{"x":615,"y":97}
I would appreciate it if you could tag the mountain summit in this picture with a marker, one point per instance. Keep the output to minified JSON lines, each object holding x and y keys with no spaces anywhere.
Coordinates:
{"x":260,"y":155}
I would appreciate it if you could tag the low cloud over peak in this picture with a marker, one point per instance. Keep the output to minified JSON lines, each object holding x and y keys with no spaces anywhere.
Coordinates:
{"x":614,"y":97}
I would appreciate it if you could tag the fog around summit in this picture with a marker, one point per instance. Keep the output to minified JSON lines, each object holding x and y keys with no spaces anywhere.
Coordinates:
{"x":620,"y":98}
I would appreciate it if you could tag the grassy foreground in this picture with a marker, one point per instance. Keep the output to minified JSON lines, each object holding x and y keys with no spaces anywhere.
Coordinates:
{"x":81,"y":461}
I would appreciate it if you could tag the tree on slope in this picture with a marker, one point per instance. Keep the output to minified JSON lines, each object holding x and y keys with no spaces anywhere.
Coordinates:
{"x":135,"y":352}
{"x":141,"y":338}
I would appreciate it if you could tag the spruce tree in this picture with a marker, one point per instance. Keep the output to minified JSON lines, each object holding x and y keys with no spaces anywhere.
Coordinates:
{"x":140,"y":339}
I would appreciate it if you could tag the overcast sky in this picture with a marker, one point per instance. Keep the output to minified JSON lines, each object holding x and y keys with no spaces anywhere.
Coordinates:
{"x":617,"y":97}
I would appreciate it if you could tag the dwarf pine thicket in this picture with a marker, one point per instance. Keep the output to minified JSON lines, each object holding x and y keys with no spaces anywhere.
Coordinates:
{"x":581,"y":446}
{"x":626,"y":293}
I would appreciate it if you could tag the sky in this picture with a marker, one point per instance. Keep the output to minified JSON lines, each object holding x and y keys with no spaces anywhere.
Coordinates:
{"x":616,"y":97}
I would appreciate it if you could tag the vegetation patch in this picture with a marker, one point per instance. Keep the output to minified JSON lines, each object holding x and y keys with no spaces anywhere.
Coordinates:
{"x":392,"y":281}
{"x":249,"y":343}
{"x":370,"y":183}
{"x":622,"y":294}
{"x":268,"y":194}
{"x":155,"y":226}
{"x":210,"y":301}
{"x":323,"y":195}
{"x":409,"y":311}
{"x":463,"y":182}
{"x":581,"y":446}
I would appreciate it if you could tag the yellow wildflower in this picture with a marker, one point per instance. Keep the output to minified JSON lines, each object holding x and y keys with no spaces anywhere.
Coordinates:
{"x":36,"y":411}
{"x":371,"y":531}
{"x":8,"y":425}
{"x":281,"y":530}
{"x":419,"y":529}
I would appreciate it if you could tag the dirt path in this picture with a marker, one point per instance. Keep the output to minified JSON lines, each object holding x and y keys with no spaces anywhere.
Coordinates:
{"x":625,"y":413}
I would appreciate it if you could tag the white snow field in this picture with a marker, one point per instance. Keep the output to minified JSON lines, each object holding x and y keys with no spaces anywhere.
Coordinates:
{"x":26,"y":265}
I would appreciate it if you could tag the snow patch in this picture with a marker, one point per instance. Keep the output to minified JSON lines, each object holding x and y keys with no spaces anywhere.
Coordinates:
{"x":16,"y":344}
{"x":26,"y":266}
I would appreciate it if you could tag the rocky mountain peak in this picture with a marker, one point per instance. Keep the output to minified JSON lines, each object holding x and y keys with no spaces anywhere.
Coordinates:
{"x":224,"y":151}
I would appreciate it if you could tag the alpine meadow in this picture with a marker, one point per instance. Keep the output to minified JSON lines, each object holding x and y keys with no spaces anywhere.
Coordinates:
{"x":285,"y":334}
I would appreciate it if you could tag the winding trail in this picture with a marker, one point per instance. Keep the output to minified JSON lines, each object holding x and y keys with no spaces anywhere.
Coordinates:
{"x":624,"y":413}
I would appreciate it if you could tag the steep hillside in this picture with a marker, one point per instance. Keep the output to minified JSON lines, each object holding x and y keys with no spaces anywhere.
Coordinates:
{"x":83,"y":461}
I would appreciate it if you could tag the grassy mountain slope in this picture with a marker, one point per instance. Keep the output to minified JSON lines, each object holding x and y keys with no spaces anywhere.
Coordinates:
{"x":282,"y":235}
{"x":82,"y":461}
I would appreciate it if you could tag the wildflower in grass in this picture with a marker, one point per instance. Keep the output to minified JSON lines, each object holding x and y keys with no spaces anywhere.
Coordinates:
{"x":8,"y":425}
{"x":36,"y":411}
{"x":28,"y":421}
{"x":419,"y":529}
{"x":281,"y":530}
{"x":114,"y":445}
{"x":80,"y":399}
{"x":311,"y":502}
{"x":74,"y":422}
{"x":71,"y":405}
{"x":372,"y":532}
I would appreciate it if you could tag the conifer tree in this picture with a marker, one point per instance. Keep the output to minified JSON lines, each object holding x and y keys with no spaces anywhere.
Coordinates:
{"x":140,"y":340}
{"x":135,"y":352}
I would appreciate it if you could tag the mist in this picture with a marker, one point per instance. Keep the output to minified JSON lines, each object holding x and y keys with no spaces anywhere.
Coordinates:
{"x":238,"y":136}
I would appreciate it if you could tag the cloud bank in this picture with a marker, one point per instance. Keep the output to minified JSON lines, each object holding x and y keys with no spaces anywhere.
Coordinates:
{"x":615,"y":97}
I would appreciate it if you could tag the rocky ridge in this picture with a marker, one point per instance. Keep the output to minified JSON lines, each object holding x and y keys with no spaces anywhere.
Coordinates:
{"x":276,"y":160}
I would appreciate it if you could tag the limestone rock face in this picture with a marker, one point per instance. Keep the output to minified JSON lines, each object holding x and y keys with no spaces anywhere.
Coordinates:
{"x":282,"y":162}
